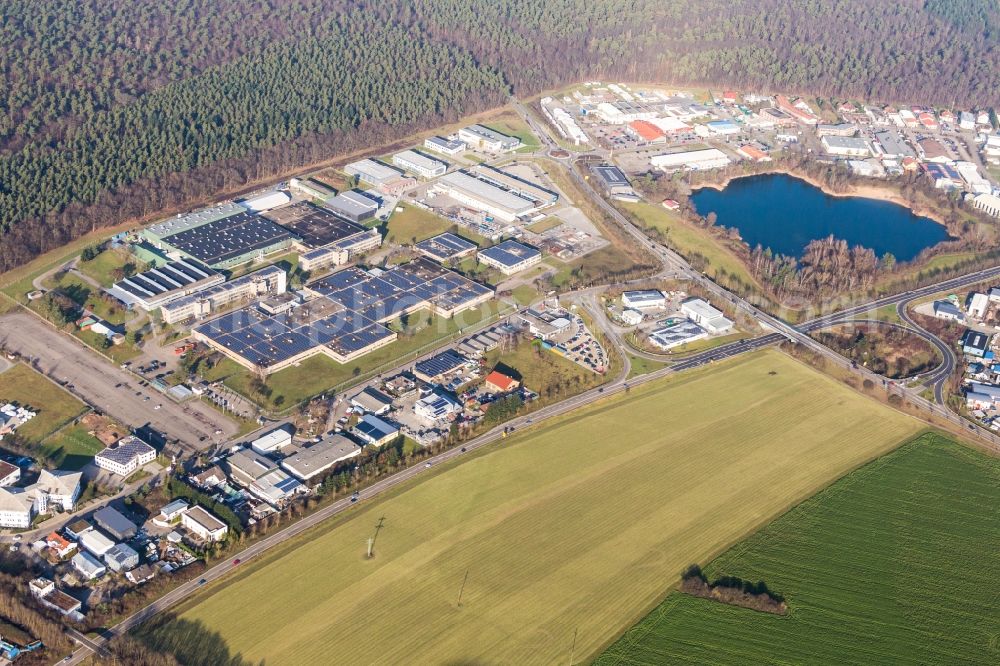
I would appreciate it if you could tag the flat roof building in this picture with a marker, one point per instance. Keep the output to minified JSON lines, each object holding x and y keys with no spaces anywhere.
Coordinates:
{"x":89,"y":566}
{"x":432,"y":370}
{"x":268,"y":281}
{"x":225,"y":242}
{"x":246,"y":466}
{"x":510,"y":256}
{"x":702,"y":313}
{"x":372,"y":401}
{"x":676,"y":334}
{"x":353,"y":206}
{"x":204,"y":524}
{"x":114,"y":523}
{"x":484,"y":138}
{"x":445,"y":247}
{"x":695,"y":160}
{"x":372,"y":171}
{"x":276,"y":487}
{"x":121,"y":557}
{"x":444,"y":146}
{"x":420,"y":164}
{"x":485,"y":196}
{"x":612,"y":179}
{"x":643,"y":299}
{"x":95,"y":543}
{"x":847,"y":145}
{"x":376,"y":431}
{"x":511,"y":182}
{"x":320,"y":457}
{"x":273,"y":441}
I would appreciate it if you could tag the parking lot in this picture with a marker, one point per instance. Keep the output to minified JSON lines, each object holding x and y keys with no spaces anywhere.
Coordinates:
{"x":108,"y":388}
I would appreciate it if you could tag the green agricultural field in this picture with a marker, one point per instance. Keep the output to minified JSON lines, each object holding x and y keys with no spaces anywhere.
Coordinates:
{"x":55,"y":406}
{"x":894,"y":564}
{"x":569,"y":531}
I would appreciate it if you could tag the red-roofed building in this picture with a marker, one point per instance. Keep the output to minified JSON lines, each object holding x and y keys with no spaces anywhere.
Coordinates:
{"x":646,"y":131}
{"x":59,"y":545}
{"x":753,"y":153}
{"x":501,"y":383}
{"x":670,"y":204}
{"x":730,"y":97}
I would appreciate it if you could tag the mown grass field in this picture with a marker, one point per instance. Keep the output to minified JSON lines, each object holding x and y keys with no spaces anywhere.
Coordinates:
{"x":575,"y":528}
{"x":55,"y":406}
{"x":895,"y":563}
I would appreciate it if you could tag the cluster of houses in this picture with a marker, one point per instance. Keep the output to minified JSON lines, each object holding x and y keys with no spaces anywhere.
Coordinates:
{"x":980,"y":313}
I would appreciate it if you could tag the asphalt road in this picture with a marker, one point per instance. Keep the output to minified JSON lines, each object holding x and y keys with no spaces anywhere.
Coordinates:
{"x":93,"y":379}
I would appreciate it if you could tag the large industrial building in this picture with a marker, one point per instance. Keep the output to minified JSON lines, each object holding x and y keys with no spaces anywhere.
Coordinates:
{"x":847,"y":145}
{"x":612,"y":179}
{"x":344,"y":316}
{"x":696,"y":160}
{"x":484,"y":196}
{"x":176,"y":279}
{"x":222,"y":237}
{"x":325,"y":237}
{"x":510,"y":256}
{"x":510,"y":182}
{"x":353,"y":206}
{"x":268,"y":281}
{"x":320,"y":457}
{"x":420,"y":164}
{"x":372,"y":171}
{"x":491,"y":141}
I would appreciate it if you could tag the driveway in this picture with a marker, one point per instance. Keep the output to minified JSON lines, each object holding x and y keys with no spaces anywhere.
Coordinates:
{"x":93,"y":378}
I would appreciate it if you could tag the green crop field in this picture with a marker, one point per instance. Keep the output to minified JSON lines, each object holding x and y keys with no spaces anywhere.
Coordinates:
{"x":572,"y":530}
{"x":895,"y":563}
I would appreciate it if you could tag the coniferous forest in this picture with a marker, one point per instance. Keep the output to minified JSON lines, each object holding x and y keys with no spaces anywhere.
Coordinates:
{"x":114,"y":110}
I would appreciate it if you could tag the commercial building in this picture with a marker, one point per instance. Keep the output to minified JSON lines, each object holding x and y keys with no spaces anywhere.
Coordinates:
{"x":265,"y":201}
{"x":702,"y":313}
{"x":564,"y":123}
{"x":420,"y":164}
{"x":444,"y":146}
{"x":987,"y":203}
{"x":446,"y":247}
{"x":246,"y":466}
{"x":375,"y":431}
{"x":77,"y":527}
{"x":485,"y":196}
{"x":268,"y":281}
{"x":644,"y":299}
{"x":643,"y":130}
{"x":125,"y":457}
{"x":978,"y":303}
{"x":353,"y":206}
{"x":223,"y":242}
{"x":944,"y":176}
{"x":272,"y":441}
{"x":172,"y":511}
{"x":695,"y":160}
{"x":95,"y":543}
{"x":88,"y":566}
{"x":753,"y":153}
{"x":847,"y":146}
{"x":676,"y":334}
{"x":486,"y":139}
{"x":342,"y":251}
{"x":622,"y":112}
{"x":121,"y":557}
{"x":312,"y":188}
{"x":114,"y":523}
{"x":948,"y":310}
{"x":45,"y":591}
{"x":612,"y":179}
{"x":893,"y":147}
{"x":799,"y":110}
{"x":436,"y":406}
{"x":510,"y":257}
{"x":320,"y":457}
{"x":840,"y":129}
{"x":59,"y":545}
{"x":372,"y":171}
{"x":545,"y":324}
{"x":722,"y":127}
{"x":932,"y":150}
{"x":435,"y":370}
{"x":670,"y":125}
{"x":151,"y":289}
{"x":276,"y":488}
{"x":519,"y":185}
{"x":343,"y":316}
{"x":372,"y":401}
{"x":203,"y":523}
{"x":975,"y":343}
{"x":966,"y":120}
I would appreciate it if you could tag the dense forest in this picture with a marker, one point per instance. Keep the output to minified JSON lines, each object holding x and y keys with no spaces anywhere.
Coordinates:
{"x":111,"y":111}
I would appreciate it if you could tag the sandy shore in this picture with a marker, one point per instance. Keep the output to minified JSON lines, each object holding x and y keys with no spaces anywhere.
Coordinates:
{"x":865,"y":191}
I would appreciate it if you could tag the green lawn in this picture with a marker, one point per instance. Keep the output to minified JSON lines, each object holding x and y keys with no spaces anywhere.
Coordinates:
{"x":321,"y":373}
{"x":71,"y":448}
{"x":642,"y":366}
{"x":564,"y":533}
{"x":688,"y":239}
{"x":892,"y":565}
{"x":55,"y":406}
{"x":102,"y":267}
{"x":524,"y":294}
{"x":86,"y":296}
{"x":414,"y":224}
{"x":512,"y":125}
{"x":543,"y":371}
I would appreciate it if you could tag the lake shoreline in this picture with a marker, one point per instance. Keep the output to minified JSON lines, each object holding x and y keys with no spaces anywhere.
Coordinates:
{"x":873,"y":191}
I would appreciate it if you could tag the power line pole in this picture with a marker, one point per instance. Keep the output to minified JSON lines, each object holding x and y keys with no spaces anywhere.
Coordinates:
{"x":461,"y":590}
{"x":371,"y":539}
{"x":572,"y":650}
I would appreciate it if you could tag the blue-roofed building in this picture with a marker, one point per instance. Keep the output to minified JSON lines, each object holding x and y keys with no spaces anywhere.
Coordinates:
{"x":375,"y":431}
{"x":722,"y":127}
{"x":975,"y":343}
{"x":510,"y":256}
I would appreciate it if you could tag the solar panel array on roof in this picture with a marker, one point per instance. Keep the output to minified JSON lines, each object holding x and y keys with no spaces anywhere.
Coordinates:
{"x":440,"y":364}
{"x":445,"y":246}
{"x":225,"y":239}
{"x":509,"y":253}
{"x":347,"y":314}
{"x":315,"y":225}
{"x":173,"y":276}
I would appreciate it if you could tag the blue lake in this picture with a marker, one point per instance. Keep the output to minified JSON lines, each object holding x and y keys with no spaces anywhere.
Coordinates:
{"x":785,"y":213}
